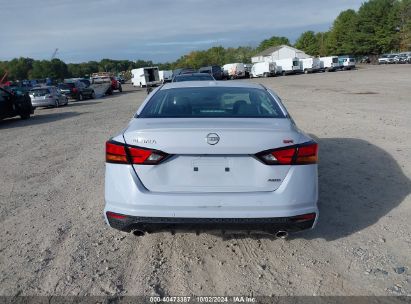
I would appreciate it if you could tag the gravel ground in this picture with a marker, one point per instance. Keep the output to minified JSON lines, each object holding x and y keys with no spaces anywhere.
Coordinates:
{"x":54,"y":241}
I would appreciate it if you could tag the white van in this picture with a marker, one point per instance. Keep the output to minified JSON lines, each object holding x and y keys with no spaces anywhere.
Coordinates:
{"x":263,"y":69}
{"x":347,"y":63}
{"x":234,"y":70}
{"x":145,"y":77}
{"x":310,"y":65}
{"x":289,"y":65}
{"x":329,"y":63}
{"x":165,"y":76}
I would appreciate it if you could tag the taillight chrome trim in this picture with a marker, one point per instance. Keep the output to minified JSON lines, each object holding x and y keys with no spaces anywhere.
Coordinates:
{"x":294,"y":160}
{"x":128,"y":155}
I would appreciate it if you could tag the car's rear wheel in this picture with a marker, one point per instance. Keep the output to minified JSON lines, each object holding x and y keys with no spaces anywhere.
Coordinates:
{"x":56,"y":103}
{"x":93,"y":95}
{"x":120,"y":89}
{"x":25,"y":115}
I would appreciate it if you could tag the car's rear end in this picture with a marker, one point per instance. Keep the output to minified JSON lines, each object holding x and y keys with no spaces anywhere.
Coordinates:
{"x":42,"y":97}
{"x":70,"y":90}
{"x":211,"y":157}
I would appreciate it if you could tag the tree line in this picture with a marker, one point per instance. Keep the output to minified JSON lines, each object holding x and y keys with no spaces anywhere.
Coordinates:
{"x":379,"y":26}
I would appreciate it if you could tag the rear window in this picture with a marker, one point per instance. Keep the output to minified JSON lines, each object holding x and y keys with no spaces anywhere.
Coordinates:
{"x":204,"y":77}
{"x":335,"y":60}
{"x":39,"y":92}
{"x":212,"y":102}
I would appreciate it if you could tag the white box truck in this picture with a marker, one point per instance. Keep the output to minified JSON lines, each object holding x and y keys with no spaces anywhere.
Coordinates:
{"x":289,"y":65}
{"x":165,"y":76}
{"x":234,"y":70}
{"x":145,"y":77}
{"x":263,"y":69}
{"x":329,"y":63}
{"x":310,"y":65}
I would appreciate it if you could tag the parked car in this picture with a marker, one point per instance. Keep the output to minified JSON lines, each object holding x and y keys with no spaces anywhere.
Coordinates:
{"x":401,"y":58}
{"x":76,"y":90}
{"x":121,"y":79}
{"x":101,"y":85}
{"x":387,"y":59}
{"x":211,"y":156}
{"x":13,"y":104}
{"x":365,"y":59}
{"x":116,"y":85}
{"x":193,"y":77}
{"x":214,"y":70}
{"x":47,"y":97}
{"x":184,"y":71}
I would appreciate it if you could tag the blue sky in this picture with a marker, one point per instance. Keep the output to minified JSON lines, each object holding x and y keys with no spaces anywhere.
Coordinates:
{"x":157,"y":30}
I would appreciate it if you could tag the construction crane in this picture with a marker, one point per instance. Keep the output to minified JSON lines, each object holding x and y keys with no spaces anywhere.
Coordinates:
{"x":54,"y":54}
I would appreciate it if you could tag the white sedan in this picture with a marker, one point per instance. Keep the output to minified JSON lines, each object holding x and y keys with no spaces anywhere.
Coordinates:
{"x":211,"y":156}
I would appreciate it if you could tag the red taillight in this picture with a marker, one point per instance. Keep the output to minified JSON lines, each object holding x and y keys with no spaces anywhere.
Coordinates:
{"x":122,"y":154}
{"x":116,"y":153}
{"x":307,"y":154}
{"x":74,"y":90}
{"x":117,"y":216}
{"x":294,"y":155}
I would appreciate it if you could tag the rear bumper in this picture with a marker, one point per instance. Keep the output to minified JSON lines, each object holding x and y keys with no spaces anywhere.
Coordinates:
{"x":157,"y":224}
{"x":43,"y":102}
{"x":126,"y":195}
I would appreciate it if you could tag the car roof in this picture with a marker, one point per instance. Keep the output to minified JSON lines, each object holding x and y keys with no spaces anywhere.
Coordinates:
{"x":211,"y":83}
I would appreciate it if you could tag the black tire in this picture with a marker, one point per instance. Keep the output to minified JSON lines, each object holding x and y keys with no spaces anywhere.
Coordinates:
{"x":93,"y":95}
{"x":56,"y":103}
{"x":25,"y":115}
{"x":120,"y":89}
{"x":283,"y":73}
{"x":109,"y":92}
{"x":80,"y":97}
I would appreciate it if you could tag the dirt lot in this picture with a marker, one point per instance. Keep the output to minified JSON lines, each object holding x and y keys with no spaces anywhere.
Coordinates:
{"x":53,"y":240}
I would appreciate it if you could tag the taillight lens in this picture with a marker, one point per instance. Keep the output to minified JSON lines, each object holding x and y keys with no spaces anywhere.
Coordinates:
{"x":74,"y":90}
{"x":303,"y":154}
{"x":120,"y":153}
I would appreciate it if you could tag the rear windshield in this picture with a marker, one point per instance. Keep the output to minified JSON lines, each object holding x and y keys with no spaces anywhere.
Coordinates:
{"x":204,"y":77}
{"x":39,"y":92}
{"x":212,"y":102}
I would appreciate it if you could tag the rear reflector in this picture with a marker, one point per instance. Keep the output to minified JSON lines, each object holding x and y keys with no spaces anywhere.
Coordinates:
{"x":120,"y":153}
{"x":302,"y":154}
{"x":117,"y":216}
{"x":303,"y":217}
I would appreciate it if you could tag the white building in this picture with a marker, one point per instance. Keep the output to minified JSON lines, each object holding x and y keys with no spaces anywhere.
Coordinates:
{"x":279,"y":52}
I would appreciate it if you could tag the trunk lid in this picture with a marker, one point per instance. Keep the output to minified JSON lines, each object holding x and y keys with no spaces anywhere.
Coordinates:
{"x":211,"y":155}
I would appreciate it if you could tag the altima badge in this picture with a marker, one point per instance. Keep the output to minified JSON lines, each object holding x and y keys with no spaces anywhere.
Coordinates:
{"x":212,"y":139}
